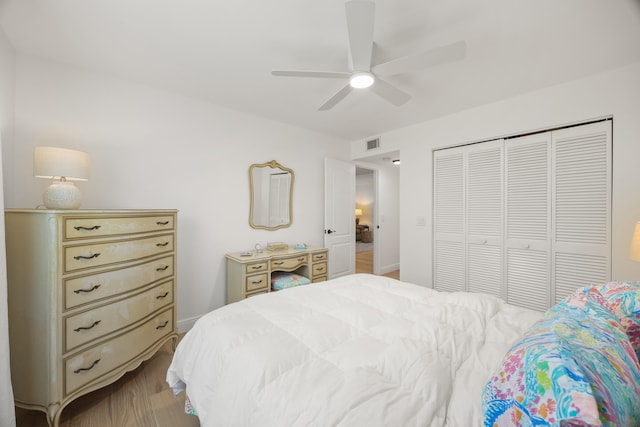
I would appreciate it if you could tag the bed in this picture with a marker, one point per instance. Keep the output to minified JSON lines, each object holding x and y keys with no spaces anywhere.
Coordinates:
{"x":366,"y":350}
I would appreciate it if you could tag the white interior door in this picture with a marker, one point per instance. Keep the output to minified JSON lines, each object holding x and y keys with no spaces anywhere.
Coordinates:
{"x":339,"y":221}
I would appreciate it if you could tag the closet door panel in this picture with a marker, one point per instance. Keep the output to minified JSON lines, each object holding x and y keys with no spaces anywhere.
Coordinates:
{"x":528,"y":220}
{"x":582,"y":206}
{"x":484,"y":182}
{"x":573,"y":271}
{"x":484,"y":273}
{"x":449,"y":221}
{"x":528,"y":278}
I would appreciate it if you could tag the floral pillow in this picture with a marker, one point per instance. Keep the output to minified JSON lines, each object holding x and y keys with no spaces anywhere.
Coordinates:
{"x":283,"y":280}
{"x":574,"y":367}
{"x":623,"y":300}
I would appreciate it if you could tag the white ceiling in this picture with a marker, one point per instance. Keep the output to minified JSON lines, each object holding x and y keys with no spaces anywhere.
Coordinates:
{"x":224,"y":51}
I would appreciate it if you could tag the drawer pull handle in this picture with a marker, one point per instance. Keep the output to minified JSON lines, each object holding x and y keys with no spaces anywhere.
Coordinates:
{"x":77,"y":371}
{"x":301,"y":259}
{"x":279,"y":263}
{"x":256,"y":267}
{"x":93,"y":288}
{"x":163,"y":268}
{"x":256,"y":282}
{"x":77,"y":257}
{"x":162,"y":244}
{"x":162,"y":296}
{"x":162,"y":222}
{"x":79,"y":227}
{"x":166,"y":322}
{"x":84,"y":328}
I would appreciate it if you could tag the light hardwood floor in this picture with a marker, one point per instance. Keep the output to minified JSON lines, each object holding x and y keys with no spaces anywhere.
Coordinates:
{"x":364,"y":264}
{"x":140,"y":398}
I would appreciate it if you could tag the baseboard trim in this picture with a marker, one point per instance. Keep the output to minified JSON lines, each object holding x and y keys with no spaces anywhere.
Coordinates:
{"x":185,"y":325}
{"x":389,"y":268}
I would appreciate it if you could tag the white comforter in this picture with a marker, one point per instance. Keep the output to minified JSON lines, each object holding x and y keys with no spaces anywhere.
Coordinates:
{"x":356,"y":351}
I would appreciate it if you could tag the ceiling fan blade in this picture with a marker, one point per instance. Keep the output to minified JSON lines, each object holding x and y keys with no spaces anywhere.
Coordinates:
{"x":440,"y":55}
{"x":336,"y":98}
{"x":389,"y":92}
{"x":302,"y":73}
{"x":360,"y":18}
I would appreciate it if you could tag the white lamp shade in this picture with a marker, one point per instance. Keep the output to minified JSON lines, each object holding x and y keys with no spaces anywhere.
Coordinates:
{"x":634,"y":252}
{"x":358,"y":212}
{"x":53,"y":162}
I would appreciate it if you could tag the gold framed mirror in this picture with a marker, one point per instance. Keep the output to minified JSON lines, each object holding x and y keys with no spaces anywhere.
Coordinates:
{"x":271,"y":186}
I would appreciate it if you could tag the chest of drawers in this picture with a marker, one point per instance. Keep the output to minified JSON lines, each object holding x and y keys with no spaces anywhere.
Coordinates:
{"x":251,"y":275}
{"x":92,"y":294}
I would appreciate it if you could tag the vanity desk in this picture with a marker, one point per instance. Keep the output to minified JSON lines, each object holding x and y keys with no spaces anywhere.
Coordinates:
{"x":251,"y":275}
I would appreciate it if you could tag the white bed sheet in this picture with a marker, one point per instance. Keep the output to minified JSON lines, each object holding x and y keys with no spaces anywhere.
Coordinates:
{"x":360,"y":350}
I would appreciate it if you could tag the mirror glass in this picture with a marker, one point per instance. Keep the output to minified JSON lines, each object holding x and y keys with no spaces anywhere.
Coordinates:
{"x":271,"y":193}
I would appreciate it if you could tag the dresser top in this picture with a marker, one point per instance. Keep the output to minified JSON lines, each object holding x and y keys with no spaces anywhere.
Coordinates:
{"x":90,"y":211}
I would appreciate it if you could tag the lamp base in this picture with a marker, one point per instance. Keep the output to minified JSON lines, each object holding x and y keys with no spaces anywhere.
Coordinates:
{"x":62,"y":195}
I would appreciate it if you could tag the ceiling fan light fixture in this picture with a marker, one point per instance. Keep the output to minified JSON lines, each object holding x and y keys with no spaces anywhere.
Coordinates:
{"x":361,"y":80}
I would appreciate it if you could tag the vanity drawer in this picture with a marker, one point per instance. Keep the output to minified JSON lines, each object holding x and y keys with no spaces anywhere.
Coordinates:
{"x":319,"y":279}
{"x":256,"y":267}
{"x":290,"y":263}
{"x":319,"y":257}
{"x":93,"y":324}
{"x":90,"y":227}
{"x":97,"y":361}
{"x":86,"y":289}
{"x":319,"y":269}
{"x":98,"y":254}
{"x":256,"y":282}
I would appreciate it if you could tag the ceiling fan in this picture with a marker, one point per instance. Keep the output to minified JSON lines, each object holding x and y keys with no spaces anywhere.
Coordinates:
{"x":363,"y":73}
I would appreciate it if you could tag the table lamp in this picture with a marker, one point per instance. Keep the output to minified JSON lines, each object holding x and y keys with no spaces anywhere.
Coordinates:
{"x":634,"y":252}
{"x":63,"y":167}
{"x":358,"y":214}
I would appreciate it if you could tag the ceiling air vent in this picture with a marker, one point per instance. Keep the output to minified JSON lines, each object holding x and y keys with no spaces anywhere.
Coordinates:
{"x":373,"y":143}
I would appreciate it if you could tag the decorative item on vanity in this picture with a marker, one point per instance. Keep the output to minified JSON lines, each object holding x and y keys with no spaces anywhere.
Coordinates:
{"x":634,"y":251}
{"x":358,"y":215}
{"x":277,"y":246}
{"x":62,"y":166}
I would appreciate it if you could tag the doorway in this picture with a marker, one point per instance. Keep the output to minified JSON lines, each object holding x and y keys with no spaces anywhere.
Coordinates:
{"x":378,"y":215}
{"x":366,"y":200}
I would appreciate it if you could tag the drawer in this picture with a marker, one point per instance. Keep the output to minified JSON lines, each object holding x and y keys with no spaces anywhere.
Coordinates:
{"x":290,"y":263}
{"x":255,"y":282}
{"x":319,"y":269}
{"x":93,"y":324}
{"x":319,"y":257}
{"x":319,"y":279}
{"x":93,"y":363}
{"x":256,"y":267}
{"x":256,"y":293}
{"x":98,"y":254}
{"x":89,"y":288}
{"x":99,"y":226}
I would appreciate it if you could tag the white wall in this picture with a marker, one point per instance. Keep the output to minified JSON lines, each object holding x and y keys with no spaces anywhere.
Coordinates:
{"x":7,"y":62}
{"x":615,"y":93}
{"x":154,"y":149}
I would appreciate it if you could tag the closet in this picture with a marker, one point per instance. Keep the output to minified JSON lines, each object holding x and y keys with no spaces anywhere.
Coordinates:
{"x":524,"y":218}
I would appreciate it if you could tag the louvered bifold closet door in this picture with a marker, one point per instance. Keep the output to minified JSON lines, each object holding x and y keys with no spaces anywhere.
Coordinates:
{"x":582,"y":205}
{"x":448,"y":220}
{"x":528,"y":220}
{"x":485,"y":218}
